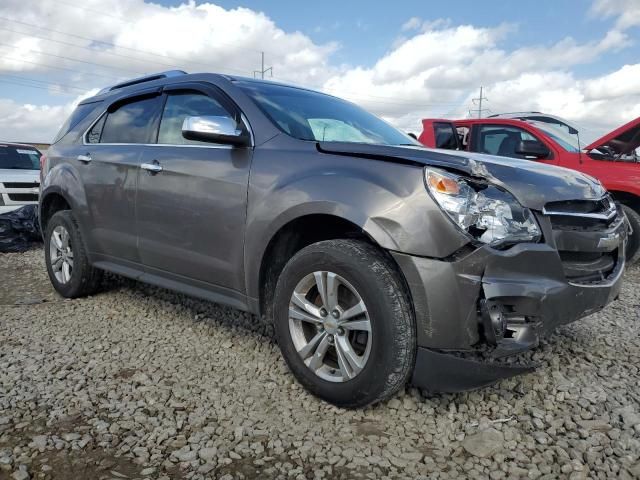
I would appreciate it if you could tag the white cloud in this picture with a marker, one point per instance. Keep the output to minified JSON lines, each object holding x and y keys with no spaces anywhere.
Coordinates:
{"x":434,"y":69}
{"x":626,"y":11}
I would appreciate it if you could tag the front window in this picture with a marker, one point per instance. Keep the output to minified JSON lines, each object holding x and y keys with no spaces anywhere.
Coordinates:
{"x":309,"y":115}
{"x":19,"y":158}
{"x":560,"y":135}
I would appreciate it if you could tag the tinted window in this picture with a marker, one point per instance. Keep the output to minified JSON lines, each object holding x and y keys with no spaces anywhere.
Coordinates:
{"x":19,"y":158}
{"x":133,"y":122}
{"x":79,"y":114}
{"x":93,"y":135}
{"x":446,"y":136}
{"x":501,"y":140}
{"x":182,"y":105}
{"x":309,"y":115}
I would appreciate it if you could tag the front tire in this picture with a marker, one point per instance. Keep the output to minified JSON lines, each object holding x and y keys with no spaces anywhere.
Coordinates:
{"x":344,"y":323}
{"x":68,"y":266}
{"x":633,"y":242}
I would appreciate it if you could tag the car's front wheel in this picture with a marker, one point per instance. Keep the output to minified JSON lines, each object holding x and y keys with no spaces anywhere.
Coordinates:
{"x":344,"y":323}
{"x":67,"y":263}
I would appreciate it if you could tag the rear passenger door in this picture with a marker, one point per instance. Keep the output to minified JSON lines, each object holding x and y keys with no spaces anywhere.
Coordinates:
{"x":109,"y":163}
{"x":191,"y":213}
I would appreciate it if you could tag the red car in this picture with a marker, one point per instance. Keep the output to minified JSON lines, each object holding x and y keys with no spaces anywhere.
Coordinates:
{"x":612,"y":159}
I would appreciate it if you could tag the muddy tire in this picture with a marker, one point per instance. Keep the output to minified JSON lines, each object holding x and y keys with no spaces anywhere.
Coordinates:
{"x":633,"y":242}
{"x":344,"y":322}
{"x":65,"y":255}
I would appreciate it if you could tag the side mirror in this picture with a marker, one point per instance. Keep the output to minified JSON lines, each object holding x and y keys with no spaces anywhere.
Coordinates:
{"x":532,"y":148}
{"x":215,"y":130}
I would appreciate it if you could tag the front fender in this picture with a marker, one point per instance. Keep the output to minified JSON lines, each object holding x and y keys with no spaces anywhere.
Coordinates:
{"x":387,"y":200}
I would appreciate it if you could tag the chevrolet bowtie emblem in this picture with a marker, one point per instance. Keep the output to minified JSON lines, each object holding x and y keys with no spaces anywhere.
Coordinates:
{"x":610,"y":241}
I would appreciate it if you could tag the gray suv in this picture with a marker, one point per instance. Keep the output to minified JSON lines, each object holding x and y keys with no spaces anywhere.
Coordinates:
{"x":378,"y":261}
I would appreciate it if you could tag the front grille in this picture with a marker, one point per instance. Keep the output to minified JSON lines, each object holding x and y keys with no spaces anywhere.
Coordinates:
{"x":21,"y":185}
{"x":23,"y":197}
{"x":573,"y":207}
{"x":579,"y":226}
{"x":588,"y":215}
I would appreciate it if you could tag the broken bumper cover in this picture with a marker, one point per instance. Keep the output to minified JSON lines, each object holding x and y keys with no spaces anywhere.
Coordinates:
{"x":453,"y":300}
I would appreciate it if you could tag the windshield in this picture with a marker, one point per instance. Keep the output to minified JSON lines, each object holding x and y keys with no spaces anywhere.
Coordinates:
{"x":309,"y":115}
{"x":16,"y":158}
{"x":563,"y":138}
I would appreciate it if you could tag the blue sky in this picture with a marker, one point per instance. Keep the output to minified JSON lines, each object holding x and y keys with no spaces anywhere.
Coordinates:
{"x":366,"y":30}
{"x":575,"y":58}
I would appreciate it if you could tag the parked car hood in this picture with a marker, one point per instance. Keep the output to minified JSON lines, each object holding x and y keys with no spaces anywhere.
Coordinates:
{"x":18,"y":175}
{"x":532,"y":183}
{"x":623,"y":140}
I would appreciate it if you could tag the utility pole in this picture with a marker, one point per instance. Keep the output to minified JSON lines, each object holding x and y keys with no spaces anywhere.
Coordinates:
{"x":263,"y":70}
{"x":479,"y":110}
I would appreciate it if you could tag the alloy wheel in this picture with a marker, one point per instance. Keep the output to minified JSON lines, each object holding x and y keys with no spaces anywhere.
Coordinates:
{"x":61,"y":254}
{"x":330,"y":326}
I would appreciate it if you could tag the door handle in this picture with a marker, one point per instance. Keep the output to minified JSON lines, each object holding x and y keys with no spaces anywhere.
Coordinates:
{"x":84,"y":158}
{"x":154,"y":167}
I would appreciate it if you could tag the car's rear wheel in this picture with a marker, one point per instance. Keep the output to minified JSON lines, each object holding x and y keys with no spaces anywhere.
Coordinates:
{"x":68,"y":266}
{"x":344,"y":323}
{"x":633,"y":242}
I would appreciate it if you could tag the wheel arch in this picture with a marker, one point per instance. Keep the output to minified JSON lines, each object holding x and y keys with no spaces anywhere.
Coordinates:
{"x":292,"y":236}
{"x":51,"y":202}
{"x":630,"y":199}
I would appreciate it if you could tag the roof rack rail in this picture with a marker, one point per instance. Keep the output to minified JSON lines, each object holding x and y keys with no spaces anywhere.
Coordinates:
{"x":145,"y":78}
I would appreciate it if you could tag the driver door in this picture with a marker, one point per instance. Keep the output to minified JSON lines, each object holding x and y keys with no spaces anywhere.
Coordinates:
{"x":504,"y":141}
{"x":191,"y":207}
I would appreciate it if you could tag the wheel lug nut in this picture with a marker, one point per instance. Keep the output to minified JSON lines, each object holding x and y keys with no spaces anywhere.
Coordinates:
{"x":323,"y":312}
{"x":335,"y":314}
{"x":341,"y":331}
{"x":330,"y":338}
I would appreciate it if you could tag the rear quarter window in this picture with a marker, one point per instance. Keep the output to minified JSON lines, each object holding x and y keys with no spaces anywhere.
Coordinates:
{"x":79,"y":114}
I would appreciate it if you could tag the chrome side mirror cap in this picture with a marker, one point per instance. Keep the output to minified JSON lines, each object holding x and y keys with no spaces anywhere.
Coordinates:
{"x":215,"y":129}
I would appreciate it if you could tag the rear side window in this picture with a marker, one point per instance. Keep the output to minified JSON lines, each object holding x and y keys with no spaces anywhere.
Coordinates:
{"x":133,"y":122}
{"x":19,"y":158}
{"x":446,"y":136}
{"x":182,"y":105}
{"x":79,"y":114}
{"x":502,"y":140}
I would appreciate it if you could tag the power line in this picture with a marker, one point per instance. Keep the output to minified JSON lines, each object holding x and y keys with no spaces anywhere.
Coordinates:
{"x":40,"y":52}
{"x":101,"y":42}
{"x":53,"y":84}
{"x":55,"y":67}
{"x":131,"y":22}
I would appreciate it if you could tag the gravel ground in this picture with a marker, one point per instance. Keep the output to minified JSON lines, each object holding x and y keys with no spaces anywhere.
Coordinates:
{"x":138,"y":382}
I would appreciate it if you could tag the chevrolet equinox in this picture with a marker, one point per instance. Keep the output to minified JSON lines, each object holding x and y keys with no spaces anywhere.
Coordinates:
{"x":379,"y":262}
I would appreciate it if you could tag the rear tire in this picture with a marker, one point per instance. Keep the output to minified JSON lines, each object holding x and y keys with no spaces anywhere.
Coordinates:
{"x":633,"y":242}
{"x":68,"y":266}
{"x":385,"y":347}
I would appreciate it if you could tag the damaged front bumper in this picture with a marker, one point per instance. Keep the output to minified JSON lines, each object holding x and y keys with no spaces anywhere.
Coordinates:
{"x":500,"y":302}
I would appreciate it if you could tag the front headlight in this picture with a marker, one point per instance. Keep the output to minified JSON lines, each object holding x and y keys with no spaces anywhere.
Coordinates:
{"x":484,"y":211}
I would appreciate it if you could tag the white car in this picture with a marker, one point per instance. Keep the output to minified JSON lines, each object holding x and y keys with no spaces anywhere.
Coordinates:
{"x":19,"y":176}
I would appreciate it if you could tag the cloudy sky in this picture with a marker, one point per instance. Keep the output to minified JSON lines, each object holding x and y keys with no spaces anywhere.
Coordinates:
{"x":403,"y":60}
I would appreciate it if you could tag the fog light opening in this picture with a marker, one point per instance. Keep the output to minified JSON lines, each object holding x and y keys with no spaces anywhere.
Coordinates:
{"x":494,"y":322}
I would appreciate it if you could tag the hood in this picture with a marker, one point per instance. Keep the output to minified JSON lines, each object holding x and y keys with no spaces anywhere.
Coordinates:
{"x":17,"y":175}
{"x":532,"y":183}
{"x":623,"y":140}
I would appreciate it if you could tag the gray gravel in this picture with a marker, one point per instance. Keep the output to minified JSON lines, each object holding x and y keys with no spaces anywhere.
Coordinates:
{"x":138,"y":382}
